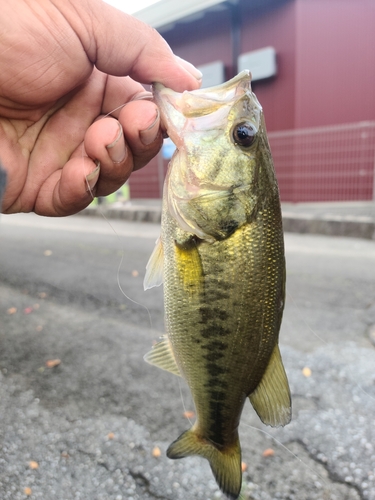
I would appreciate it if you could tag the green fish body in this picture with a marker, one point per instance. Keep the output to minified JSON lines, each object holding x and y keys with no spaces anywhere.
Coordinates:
{"x":221,"y":259}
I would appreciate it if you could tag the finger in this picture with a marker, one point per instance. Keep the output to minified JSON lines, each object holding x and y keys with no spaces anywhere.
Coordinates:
{"x":72,"y":188}
{"x":119,"y":91}
{"x":141,"y":124}
{"x":124,"y":145}
{"x":68,"y":190}
{"x":61,"y":141}
{"x":60,"y":136}
{"x":105,"y":141}
{"x":129,"y":47}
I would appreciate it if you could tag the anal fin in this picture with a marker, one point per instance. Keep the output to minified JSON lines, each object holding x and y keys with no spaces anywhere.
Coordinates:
{"x":271,"y":399}
{"x":161,"y":355}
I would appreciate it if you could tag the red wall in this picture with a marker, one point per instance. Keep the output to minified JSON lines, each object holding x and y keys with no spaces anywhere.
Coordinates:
{"x":335,"y":62}
{"x":274,"y":27}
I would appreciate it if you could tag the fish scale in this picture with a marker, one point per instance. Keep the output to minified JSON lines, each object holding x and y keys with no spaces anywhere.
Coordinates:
{"x":221,"y":259}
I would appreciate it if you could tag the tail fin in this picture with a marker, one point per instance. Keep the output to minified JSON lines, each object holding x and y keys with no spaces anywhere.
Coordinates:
{"x":225,"y":464}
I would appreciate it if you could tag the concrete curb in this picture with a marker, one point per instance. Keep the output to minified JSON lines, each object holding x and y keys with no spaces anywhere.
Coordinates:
{"x":309,"y":222}
{"x":136,"y":213}
{"x":352,"y":227}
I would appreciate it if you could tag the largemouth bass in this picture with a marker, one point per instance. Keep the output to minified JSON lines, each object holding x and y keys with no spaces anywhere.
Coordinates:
{"x":221,"y":259}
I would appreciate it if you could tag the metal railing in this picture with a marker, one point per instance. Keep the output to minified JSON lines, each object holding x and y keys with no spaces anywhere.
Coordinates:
{"x":325,"y":164}
{"x":331,"y":163}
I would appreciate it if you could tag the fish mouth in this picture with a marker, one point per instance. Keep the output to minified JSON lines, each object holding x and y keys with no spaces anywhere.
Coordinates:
{"x":177,"y":108}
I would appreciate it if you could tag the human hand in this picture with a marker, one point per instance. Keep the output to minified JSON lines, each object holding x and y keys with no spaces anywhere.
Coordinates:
{"x":63,"y":65}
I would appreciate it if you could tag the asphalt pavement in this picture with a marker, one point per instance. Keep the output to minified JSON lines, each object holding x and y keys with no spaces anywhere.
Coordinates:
{"x":83,"y":417}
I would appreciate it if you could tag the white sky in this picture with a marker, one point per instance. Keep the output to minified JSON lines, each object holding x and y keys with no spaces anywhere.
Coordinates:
{"x":131,"y":6}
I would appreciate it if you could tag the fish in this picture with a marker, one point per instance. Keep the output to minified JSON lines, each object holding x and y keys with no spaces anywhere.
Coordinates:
{"x":220,"y":257}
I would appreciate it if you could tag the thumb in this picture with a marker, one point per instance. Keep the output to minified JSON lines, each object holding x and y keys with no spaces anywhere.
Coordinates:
{"x":120,"y":45}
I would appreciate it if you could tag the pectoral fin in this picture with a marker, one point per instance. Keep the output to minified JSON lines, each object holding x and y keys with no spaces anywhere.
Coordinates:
{"x":154,"y":268}
{"x":161,"y":355}
{"x":271,"y":399}
{"x":189,"y":268}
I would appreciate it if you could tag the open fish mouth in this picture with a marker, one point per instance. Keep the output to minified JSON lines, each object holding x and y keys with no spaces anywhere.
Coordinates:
{"x":209,"y":106}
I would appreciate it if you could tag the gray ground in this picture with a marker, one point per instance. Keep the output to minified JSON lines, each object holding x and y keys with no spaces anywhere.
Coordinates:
{"x":92,"y":423}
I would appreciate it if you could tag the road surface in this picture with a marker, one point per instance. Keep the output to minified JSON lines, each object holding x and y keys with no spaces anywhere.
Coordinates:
{"x":92,"y":426}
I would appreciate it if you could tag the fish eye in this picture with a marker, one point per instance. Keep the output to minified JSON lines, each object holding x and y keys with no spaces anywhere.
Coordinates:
{"x":244,"y":134}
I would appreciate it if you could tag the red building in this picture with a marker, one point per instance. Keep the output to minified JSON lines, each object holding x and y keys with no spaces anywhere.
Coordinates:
{"x":320,"y":104}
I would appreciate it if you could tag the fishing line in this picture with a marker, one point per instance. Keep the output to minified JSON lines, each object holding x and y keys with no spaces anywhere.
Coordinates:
{"x":327,"y":485}
{"x":304,"y":321}
{"x":114,"y":231}
{"x":186,"y":412}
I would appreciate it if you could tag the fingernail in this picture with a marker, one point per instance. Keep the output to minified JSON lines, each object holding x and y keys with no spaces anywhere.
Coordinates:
{"x":117,"y":150}
{"x":92,"y":177}
{"x":190,"y":68}
{"x":148,"y":135}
